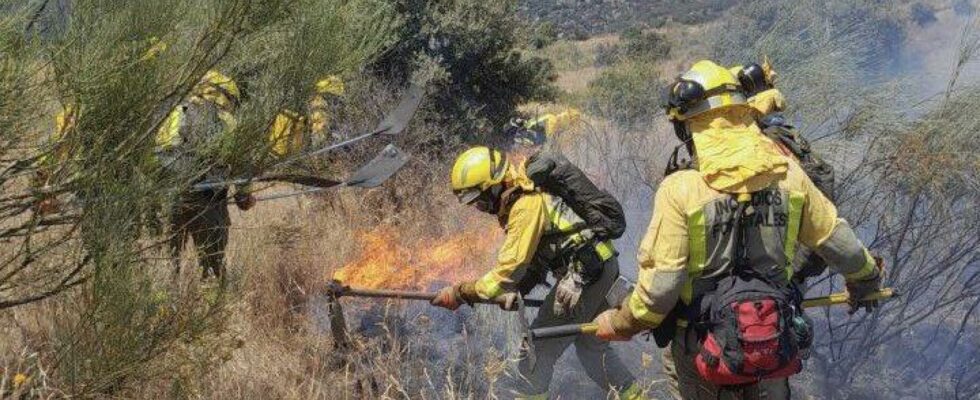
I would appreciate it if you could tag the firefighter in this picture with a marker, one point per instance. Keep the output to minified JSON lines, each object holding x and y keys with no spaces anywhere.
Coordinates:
{"x":291,"y":132}
{"x":543,"y":235}
{"x":733,"y":222}
{"x":182,"y":143}
{"x":528,"y":136}
{"x":53,"y":162}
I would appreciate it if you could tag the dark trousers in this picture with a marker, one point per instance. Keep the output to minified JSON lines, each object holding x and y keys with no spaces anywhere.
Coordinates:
{"x":601,"y":363}
{"x":204,"y":217}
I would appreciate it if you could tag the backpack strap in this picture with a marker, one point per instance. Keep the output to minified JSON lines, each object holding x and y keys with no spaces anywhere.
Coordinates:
{"x":703,"y":286}
{"x":675,"y":163}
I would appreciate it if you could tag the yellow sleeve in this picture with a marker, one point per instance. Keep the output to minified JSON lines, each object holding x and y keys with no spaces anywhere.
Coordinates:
{"x":168,"y":135}
{"x":819,"y":213}
{"x":525,"y":225}
{"x":662,"y":257}
{"x":283,"y":134}
{"x":831,"y":237}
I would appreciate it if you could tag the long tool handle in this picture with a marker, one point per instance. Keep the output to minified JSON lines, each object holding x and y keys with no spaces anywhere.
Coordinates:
{"x":591,"y":328}
{"x":389,"y":294}
{"x":559,"y":331}
{"x":411,"y":295}
{"x":841,"y":298}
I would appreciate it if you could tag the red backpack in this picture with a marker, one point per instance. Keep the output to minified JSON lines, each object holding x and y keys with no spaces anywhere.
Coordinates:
{"x":752,"y":331}
{"x":750,"y":324}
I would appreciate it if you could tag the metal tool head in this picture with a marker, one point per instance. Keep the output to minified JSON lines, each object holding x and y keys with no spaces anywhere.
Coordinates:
{"x":526,"y":351}
{"x":380,"y":168}
{"x":396,"y":121}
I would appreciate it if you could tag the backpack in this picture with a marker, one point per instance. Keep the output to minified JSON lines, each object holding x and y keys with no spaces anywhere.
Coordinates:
{"x":819,"y":171}
{"x":749,"y":323}
{"x":600,"y":210}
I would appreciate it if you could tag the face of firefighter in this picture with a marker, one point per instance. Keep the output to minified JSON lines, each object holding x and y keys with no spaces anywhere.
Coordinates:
{"x":489,"y":200}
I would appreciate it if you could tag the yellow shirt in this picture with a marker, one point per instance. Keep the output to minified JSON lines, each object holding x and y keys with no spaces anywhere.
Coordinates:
{"x":527,"y":221}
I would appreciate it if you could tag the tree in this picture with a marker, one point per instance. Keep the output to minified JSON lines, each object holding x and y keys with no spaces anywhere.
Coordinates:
{"x":476,"y":49}
{"x":116,"y":69}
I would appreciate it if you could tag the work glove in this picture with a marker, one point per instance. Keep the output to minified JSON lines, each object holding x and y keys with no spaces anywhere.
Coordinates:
{"x":447,"y":298}
{"x":606,"y":327}
{"x":567,"y":293}
{"x":245,"y":201}
{"x":507,"y":301}
{"x":47,"y":206}
{"x":859,"y":289}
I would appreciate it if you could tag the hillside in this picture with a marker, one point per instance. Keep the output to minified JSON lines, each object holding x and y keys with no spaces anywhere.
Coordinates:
{"x":579,"y":19}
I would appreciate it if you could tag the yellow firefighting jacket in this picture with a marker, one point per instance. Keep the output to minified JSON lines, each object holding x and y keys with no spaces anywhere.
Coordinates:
{"x":549,"y":124}
{"x":291,"y":131}
{"x":214,"y":88}
{"x":286,"y":133}
{"x":690,"y":230}
{"x":768,"y":101}
{"x":537,"y":225}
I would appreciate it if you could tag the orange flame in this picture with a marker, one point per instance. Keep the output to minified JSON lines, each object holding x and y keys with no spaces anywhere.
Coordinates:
{"x":392,"y":261}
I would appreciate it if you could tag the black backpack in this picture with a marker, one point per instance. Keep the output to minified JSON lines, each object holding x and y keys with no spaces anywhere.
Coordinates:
{"x":819,"y":171}
{"x":600,"y":210}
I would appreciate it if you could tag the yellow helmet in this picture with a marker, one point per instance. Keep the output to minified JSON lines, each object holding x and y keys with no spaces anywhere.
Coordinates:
{"x":219,"y":89}
{"x":331,"y":84}
{"x":706,"y":86}
{"x":475,"y":171}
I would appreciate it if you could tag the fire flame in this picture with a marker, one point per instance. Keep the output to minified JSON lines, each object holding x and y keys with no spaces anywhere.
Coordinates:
{"x":391,"y":260}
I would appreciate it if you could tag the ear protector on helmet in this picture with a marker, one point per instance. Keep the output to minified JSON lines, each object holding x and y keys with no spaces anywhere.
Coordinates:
{"x":687,"y":98}
{"x":753,"y":79}
{"x":684,"y":94}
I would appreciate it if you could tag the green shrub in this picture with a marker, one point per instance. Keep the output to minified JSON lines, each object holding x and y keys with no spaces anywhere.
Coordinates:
{"x":120,"y":322}
{"x":629,"y":93}
{"x":607,"y":54}
{"x":477,"y":51}
{"x":638,"y":44}
{"x":545,"y":35}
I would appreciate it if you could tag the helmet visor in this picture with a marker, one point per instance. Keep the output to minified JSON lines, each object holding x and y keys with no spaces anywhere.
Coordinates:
{"x":467,"y":196}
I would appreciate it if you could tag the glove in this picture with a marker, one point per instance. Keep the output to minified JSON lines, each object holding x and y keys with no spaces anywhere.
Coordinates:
{"x":857,"y":290}
{"x":607,"y":329}
{"x":507,"y":301}
{"x":47,"y":206}
{"x":567,"y":293}
{"x":447,"y":298}
{"x":244,"y":201}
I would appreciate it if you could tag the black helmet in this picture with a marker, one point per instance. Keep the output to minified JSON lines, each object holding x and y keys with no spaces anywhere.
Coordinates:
{"x":752,"y":77}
